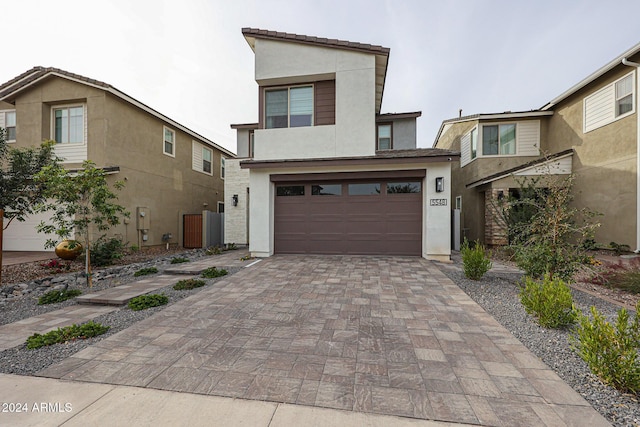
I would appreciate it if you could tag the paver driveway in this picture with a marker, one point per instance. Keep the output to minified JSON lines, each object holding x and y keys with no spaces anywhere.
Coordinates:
{"x":386,"y":335}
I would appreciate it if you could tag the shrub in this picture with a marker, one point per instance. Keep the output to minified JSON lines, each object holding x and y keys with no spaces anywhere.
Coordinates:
{"x":618,"y":248}
{"x":145,"y":271}
{"x":105,"y":251}
{"x":550,"y":301}
{"x":610,"y":351}
{"x":67,"y":333}
{"x":188,"y":284}
{"x":147,"y":301}
{"x":178,"y":260}
{"x":214,"y":250}
{"x":55,"y":266}
{"x":213,"y":272}
{"x":134,"y":248}
{"x":475,"y":260}
{"x":625,"y":276}
{"x":52,"y":297}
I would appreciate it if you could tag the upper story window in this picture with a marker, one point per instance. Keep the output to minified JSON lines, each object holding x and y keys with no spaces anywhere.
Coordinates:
{"x":201,"y":158}
{"x":289,"y":107}
{"x":169,"y":142}
{"x":499,"y":139}
{"x":9,"y":119}
{"x":222,"y":160}
{"x":384,"y":137}
{"x":68,"y":124}
{"x":474,"y":143}
{"x":624,"y":95}
{"x":610,"y":103}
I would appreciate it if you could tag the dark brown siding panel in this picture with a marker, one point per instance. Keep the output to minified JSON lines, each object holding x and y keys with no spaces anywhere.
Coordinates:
{"x":325,"y":102}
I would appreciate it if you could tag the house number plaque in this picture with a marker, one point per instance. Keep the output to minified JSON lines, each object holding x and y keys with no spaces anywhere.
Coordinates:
{"x":437,"y":202}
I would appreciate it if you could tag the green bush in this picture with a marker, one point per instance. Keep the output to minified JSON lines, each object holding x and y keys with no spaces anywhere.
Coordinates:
{"x":145,"y":271}
{"x":611,"y":351}
{"x":147,"y":301}
{"x":213,"y":272}
{"x":214,"y":250}
{"x":67,"y":333}
{"x":550,"y":301}
{"x":188,"y":284}
{"x":475,"y":260}
{"x":52,"y":297}
{"x":178,"y":260}
{"x":105,"y":251}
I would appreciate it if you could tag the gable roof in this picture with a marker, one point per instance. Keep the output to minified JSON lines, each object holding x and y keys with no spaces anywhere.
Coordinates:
{"x":593,"y":76}
{"x":381,"y":53}
{"x":12,"y":88}
{"x":491,"y":116}
{"x":528,"y":165}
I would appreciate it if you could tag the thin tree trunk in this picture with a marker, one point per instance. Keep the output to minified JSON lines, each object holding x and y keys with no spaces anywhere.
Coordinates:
{"x":1,"y":240}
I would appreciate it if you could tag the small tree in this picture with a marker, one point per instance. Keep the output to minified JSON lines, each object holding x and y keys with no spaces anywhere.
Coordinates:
{"x":81,"y":201}
{"x":552,"y":238}
{"x":19,"y":191}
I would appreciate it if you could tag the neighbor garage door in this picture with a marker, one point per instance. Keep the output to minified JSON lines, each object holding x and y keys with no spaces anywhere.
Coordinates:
{"x":22,"y":236}
{"x":372,"y":217}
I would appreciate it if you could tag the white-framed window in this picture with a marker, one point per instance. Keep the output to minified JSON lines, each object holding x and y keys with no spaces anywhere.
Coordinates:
{"x":288,"y":107}
{"x":168,"y":141}
{"x":624,"y":95}
{"x":68,"y":124}
{"x":499,"y":139}
{"x":222,"y":160}
{"x":384,"y":137}
{"x":8,"y":122}
{"x":474,"y":143}
{"x":610,"y":103}
{"x":202,"y":158}
{"x":458,"y":203}
{"x":220,"y":207}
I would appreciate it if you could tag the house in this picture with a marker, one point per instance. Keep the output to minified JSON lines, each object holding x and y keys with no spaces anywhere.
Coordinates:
{"x":168,"y":169}
{"x":591,"y":130}
{"x":323,"y":171}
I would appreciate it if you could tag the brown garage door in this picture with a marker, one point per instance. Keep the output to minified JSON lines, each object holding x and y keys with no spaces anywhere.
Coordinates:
{"x":356,"y":217}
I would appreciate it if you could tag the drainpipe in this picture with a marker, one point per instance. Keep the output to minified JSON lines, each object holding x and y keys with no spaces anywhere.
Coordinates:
{"x":637,"y":66}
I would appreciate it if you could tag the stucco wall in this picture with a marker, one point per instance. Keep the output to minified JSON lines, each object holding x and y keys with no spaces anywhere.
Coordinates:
{"x":404,"y":134}
{"x":242,"y":142}
{"x":604,"y":163}
{"x":354,"y":131}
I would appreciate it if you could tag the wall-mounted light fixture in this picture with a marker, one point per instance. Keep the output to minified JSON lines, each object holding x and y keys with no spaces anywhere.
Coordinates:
{"x":439,"y":184}
{"x":235,"y":200}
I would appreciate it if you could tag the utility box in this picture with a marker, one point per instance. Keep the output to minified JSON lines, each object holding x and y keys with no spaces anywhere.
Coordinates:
{"x":142,"y":218}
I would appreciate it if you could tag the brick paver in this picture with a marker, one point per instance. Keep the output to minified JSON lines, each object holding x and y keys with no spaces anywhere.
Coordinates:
{"x":371,"y":334}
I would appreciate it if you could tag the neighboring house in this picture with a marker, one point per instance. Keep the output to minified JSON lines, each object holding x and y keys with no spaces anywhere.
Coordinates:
{"x":168,"y":169}
{"x":591,"y":130}
{"x":323,"y":172}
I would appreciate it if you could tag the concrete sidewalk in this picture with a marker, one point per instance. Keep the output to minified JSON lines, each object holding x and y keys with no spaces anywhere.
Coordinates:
{"x":34,"y":401}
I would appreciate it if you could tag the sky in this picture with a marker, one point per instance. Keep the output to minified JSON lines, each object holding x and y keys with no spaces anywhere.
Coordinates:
{"x":188,"y":59}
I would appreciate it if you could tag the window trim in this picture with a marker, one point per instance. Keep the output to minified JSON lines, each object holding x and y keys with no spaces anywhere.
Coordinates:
{"x":218,"y":207}
{"x":6,"y":128}
{"x":481,"y":141}
{"x":288,"y":88}
{"x":474,"y":153}
{"x":67,"y":107}
{"x":222,"y":167}
{"x":617,"y":116}
{"x":203,"y":160}
{"x":458,"y":203}
{"x":390,"y":124}
{"x":173,"y":132}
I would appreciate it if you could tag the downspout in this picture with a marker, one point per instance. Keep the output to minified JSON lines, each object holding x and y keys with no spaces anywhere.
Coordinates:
{"x":637,"y":66}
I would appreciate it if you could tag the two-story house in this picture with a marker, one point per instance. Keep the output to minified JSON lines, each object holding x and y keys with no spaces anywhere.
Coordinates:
{"x":322,"y":171}
{"x":167,"y":168}
{"x":591,"y":130}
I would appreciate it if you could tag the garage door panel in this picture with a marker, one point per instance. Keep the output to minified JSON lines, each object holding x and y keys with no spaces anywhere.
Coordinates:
{"x":357,"y":224}
{"x":22,"y":236}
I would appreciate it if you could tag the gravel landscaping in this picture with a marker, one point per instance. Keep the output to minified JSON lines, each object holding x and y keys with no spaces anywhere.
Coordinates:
{"x":498,"y":295}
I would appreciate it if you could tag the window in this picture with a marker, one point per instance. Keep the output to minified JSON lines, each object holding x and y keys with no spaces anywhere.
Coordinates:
{"x":367,"y":189}
{"x":220,"y":207}
{"x":206,"y":160}
{"x":384,"y":137}
{"x":290,"y":190}
{"x":474,"y":143}
{"x":326,"y":190}
{"x":169,"y":143}
{"x":499,"y":139}
{"x":222,"y":167}
{"x":251,"y":143}
{"x":289,"y":107}
{"x":404,"y":187}
{"x":68,"y":124}
{"x":10,"y":125}
{"x":624,"y":95}
{"x":458,"y":202}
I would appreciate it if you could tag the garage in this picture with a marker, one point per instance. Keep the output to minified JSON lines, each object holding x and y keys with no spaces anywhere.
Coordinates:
{"x":362,"y":216}
{"x":22,"y":236}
